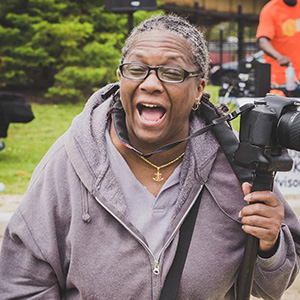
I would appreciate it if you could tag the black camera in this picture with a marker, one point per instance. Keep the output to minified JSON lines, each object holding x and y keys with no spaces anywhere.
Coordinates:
{"x":267,"y":130}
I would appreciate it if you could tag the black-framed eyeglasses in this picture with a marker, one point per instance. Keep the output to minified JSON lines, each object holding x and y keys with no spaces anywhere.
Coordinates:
{"x":138,"y":71}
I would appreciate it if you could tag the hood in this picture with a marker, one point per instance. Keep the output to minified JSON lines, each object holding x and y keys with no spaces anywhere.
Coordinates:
{"x":85,"y":140}
{"x":86,"y":148}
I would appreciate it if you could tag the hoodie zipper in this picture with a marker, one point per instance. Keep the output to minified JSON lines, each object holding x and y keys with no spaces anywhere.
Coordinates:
{"x":156,"y":266}
{"x":156,"y":263}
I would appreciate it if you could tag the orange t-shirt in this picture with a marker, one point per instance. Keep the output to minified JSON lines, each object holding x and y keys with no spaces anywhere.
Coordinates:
{"x":281,"y":24}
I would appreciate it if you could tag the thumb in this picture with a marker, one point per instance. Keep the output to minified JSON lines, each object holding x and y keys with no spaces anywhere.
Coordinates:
{"x":246,"y":187}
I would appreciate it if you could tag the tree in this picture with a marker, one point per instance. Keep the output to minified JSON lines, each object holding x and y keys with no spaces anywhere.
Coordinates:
{"x":67,"y":48}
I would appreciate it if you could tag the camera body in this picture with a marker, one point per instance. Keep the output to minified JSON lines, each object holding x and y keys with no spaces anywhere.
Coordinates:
{"x":266,"y":132}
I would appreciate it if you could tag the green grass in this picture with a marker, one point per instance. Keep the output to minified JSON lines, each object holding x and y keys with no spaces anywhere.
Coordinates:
{"x":26,"y":144}
{"x":214,"y":94}
{"x":213,"y":91}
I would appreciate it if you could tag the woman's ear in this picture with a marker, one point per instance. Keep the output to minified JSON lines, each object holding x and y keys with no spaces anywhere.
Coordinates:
{"x":200,"y":88}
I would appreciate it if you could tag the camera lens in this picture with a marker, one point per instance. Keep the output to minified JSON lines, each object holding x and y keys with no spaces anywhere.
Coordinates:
{"x":288,"y":130}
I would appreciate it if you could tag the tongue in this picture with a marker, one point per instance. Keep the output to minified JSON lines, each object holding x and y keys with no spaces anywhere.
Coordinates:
{"x":152,"y":114}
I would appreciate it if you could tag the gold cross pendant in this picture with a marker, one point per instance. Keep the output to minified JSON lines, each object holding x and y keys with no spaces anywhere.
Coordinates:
{"x":158,"y":177}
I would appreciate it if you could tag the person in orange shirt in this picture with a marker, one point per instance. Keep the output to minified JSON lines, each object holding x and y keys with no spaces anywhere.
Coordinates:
{"x":278,"y":35}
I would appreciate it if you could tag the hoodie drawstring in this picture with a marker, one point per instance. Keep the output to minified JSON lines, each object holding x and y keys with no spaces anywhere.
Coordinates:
{"x":86,"y":217}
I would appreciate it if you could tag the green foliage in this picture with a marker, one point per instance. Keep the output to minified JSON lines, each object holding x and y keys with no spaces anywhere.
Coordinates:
{"x":69,"y":48}
{"x":76,"y":83}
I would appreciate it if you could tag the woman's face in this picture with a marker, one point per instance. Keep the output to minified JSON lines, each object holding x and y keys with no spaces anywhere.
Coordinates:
{"x":157,"y":112}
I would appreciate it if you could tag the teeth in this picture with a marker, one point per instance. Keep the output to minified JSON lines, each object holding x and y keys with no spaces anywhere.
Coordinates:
{"x":150,"y":105}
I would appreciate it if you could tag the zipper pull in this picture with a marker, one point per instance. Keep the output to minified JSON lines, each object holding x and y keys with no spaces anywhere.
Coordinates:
{"x":156,"y":268}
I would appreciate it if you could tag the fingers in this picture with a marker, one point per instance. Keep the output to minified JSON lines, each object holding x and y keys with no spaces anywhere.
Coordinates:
{"x":259,"y":196}
{"x":263,"y":218}
{"x":257,"y":224}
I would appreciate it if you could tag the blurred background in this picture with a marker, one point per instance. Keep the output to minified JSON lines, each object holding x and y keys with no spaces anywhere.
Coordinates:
{"x":55,"y":54}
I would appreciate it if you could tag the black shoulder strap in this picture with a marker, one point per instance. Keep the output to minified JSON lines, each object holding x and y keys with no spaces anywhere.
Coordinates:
{"x":171,"y":284}
{"x":227,"y":140}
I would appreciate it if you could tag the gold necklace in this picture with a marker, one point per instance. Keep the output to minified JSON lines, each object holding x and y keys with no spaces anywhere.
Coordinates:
{"x":158,"y":175}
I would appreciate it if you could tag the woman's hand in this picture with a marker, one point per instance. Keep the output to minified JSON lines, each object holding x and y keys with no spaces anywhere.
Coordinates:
{"x":262,"y":220}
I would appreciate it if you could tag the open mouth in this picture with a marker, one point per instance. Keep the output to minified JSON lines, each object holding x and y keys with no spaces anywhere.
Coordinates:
{"x":151,"y":112}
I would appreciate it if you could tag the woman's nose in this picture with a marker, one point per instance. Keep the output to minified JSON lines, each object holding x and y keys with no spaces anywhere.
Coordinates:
{"x":152,"y":83}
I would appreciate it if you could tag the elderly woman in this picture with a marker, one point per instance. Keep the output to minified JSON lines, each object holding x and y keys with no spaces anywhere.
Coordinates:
{"x":103,"y":211}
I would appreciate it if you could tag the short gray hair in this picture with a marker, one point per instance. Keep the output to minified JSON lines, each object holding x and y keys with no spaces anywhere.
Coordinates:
{"x":176,"y":25}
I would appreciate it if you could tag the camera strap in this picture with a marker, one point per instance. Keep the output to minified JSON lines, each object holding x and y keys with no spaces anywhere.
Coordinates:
{"x":118,"y":117}
{"x":214,"y":121}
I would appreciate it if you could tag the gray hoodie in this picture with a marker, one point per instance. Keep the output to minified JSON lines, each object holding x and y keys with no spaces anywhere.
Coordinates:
{"x":70,"y":238}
